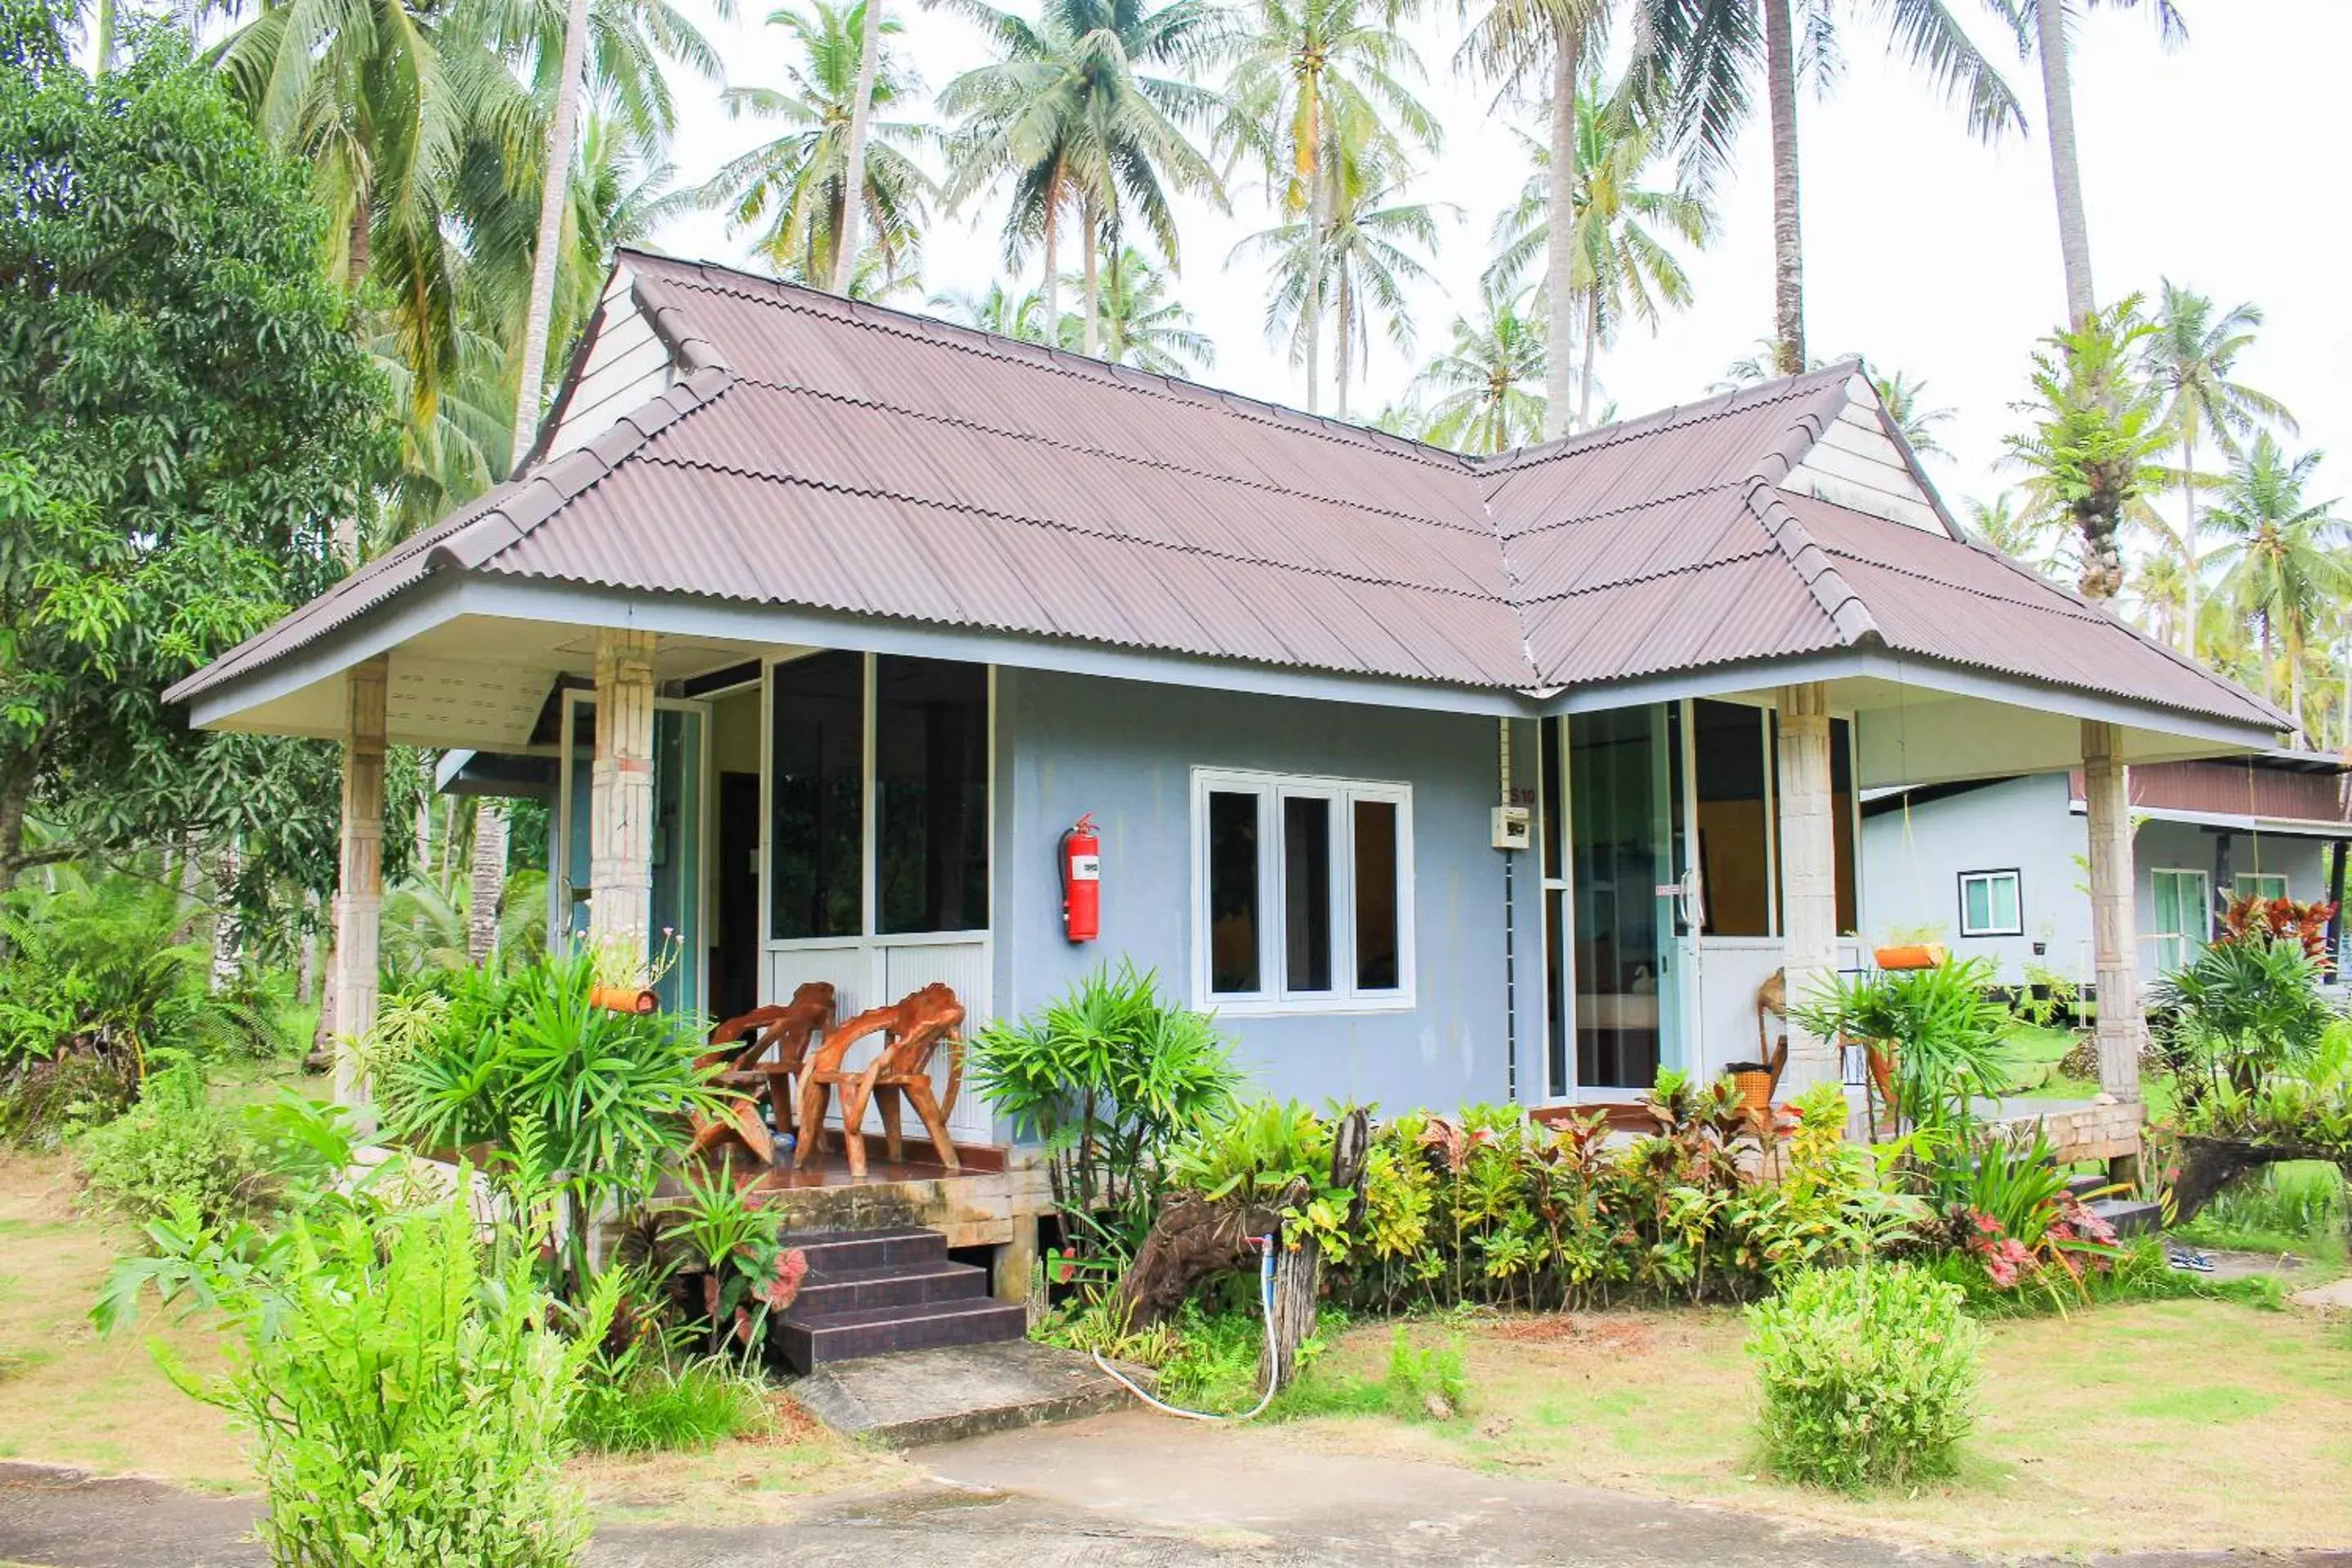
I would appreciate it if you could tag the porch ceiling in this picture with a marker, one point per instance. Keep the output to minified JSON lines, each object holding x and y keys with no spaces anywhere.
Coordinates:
{"x":473,"y":681}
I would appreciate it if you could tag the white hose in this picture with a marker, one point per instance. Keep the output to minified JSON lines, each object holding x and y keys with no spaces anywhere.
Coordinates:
{"x":1273,"y":1353}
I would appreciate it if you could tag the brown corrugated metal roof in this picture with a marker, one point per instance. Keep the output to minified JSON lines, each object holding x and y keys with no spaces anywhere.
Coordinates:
{"x":843,"y":457}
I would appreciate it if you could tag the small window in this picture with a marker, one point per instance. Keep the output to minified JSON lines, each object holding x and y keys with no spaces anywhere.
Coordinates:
{"x":1304,"y":892}
{"x":2261,"y":885}
{"x":1992,"y":904}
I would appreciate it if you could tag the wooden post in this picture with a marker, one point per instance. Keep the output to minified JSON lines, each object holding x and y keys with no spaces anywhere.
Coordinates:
{"x":621,"y":788}
{"x":359,"y":896}
{"x":2115,"y":954}
{"x":1808,"y":862}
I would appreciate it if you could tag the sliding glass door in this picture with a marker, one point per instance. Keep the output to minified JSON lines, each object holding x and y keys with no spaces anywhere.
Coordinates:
{"x":1617,"y":946}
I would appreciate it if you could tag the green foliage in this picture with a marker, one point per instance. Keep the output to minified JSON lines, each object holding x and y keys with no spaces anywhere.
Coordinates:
{"x":401,"y":1357}
{"x":176,"y":1144}
{"x":1868,"y":1373}
{"x":736,"y":1246}
{"x":1107,"y":1079}
{"x":2095,"y":431}
{"x":2292,"y":1206}
{"x":660,"y":1409}
{"x":1943,"y":1025}
{"x":186,"y":410}
{"x":2242,"y":1012}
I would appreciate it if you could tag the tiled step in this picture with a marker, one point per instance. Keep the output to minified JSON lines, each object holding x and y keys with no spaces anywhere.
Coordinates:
{"x":2085,"y":1185}
{"x":892,"y":1285}
{"x":836,"y":1252}
{"x":809,"y":1342}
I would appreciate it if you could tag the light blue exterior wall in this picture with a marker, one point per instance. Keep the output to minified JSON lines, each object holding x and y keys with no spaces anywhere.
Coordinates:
{"x":1911,"y":871}
{"x":1126,"y":751}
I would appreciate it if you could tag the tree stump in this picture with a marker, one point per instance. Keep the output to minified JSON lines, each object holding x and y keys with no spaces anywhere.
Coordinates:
{"x":1193,"y":1240}
{"x":2209,"y":1164}
{"x":1298,"y":1293}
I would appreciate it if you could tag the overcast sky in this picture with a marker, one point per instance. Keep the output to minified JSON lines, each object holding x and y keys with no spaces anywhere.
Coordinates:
{"x":2220,"y":165}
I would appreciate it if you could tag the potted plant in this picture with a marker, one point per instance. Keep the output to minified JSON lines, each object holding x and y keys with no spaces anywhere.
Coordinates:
{"x":621,"y":975}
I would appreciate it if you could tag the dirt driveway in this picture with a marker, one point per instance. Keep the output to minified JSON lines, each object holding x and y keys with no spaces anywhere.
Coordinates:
{"x":1119,"y":1490}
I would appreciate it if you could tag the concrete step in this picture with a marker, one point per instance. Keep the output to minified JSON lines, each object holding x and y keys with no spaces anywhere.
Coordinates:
{"x":2128,"y":1216}
{"x":808,"y":1342}
{"x":891,"y":1285}
{"x":2083,"y":1186}
{"x":837,"y":1252}
{"x":964,"y":1391}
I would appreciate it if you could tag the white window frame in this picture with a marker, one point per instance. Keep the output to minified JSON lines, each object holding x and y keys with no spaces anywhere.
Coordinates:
{"x":2238,"y":888}
{"x":2180,"y":947}
{"x":2016,"y":880}
{"x":1275,"y":997}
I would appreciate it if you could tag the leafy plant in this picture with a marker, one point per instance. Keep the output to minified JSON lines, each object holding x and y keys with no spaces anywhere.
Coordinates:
{"x":738,"y":1247}
{"x":1869,"y":1375}
{"x":1943,"y":1027}
{"x":173,"y":1144}
{"x":654,"y":1407}
{"x":2243,"y":1010}
{"x":1107,"y":1079}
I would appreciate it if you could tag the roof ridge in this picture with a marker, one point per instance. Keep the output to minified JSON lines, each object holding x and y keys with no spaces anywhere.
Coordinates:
{"x":869,"y":313}
{"x":1061,"y":445}
{"x":907,"y":498}
{"x":1778,"y":389}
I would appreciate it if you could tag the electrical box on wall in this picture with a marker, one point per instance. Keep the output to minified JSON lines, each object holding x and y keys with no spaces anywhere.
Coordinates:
{"x":1514,"y":828}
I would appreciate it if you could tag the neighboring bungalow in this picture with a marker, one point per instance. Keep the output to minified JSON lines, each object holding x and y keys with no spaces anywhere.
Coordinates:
{"x":1438,"y":778}
{"x":1994,"y":868}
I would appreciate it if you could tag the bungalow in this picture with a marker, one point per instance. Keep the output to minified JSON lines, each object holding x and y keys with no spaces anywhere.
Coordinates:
{"x":1439,"y":778}
{"x":1993,"y":867}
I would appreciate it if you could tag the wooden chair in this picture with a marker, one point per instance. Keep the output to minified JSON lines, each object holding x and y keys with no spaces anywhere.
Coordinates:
{"x":786,"y":1029}
{"x":912,"y":1030}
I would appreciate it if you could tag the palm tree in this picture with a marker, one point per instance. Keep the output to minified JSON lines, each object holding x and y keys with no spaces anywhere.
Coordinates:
{"x":793,"y":194}
{"x":1489,"y":384}
{"x":1313,"y":84}
{"x":2281,"y":560}
{"x":1695,"y":62}
{"x":1142,"y":326}
{"x":2094,"y":430}
{"x":2040,"y":29}
{"x":1354,"y":258}
{"x":2023,"y":534}
{"x":861,"y":112}
{"x":1069,"y":115}
{"x":1619,"y":241}
{"x":1510,"y":40}
{"x":997,"y":311}
{"x":2192,"y":355}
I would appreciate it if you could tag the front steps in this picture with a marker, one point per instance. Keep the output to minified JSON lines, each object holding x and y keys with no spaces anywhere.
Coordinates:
{"x":2129,"y":1215}
{"x":883,"y":1292}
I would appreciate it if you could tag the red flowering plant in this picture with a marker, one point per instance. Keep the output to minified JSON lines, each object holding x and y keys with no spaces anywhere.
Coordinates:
{"x":2018,"y":1219}
{"x":2277,"y":919}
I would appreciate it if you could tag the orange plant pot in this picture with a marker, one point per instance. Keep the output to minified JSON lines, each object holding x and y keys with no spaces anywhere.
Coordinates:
{"x":1911,"y":955}
{"x":622,"y":999}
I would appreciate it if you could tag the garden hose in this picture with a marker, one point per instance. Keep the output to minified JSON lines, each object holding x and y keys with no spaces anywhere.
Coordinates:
{"x":1264,"y":1245}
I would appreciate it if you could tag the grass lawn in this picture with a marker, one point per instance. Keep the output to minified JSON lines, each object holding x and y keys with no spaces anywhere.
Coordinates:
{"x":68,"y":1396}
{"x":2032,"y":1055}
{"x":2172,"y":1425}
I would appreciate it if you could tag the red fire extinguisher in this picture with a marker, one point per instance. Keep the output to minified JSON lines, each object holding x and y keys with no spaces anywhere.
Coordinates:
{"x":1082,"y":881}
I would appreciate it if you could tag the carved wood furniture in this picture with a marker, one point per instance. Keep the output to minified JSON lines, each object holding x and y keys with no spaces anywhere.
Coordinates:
{"x":912,"y":1030}
{"x":785,"y":1029}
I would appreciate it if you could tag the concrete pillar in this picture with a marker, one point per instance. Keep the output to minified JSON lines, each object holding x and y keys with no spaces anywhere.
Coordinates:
{"x":359,"y":896}
{"x":621,"y":789}
{"x":1014,"y":1266}
{"x":1807,"y":861}
{"x":2115,"y":951}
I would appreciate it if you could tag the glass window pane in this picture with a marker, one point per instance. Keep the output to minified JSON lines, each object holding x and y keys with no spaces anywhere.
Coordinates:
{"x":1733,"y":832}
{"x":2004,"y":903}
{"x":1842,"y":825}
{"x":1378,"y":962}
{"x":816,"y":818}
{"x":1232,"y":893}
{"x":1979,"y":903}
{"x":1306,"y":893}
{"x":930,"y":794}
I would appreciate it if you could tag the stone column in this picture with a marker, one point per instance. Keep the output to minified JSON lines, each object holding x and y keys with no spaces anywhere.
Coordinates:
{"x":2114,"y":949}
{"x":1808,"y":862}
{"x":621,"y":788}
{"x":359,"y":898}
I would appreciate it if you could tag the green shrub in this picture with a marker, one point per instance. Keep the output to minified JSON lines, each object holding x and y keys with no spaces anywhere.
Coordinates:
{"x":1868,"y":1374}
{"x":661,"y":1409}
{"x":407,"y":1394}
{"x":175,"y":1143}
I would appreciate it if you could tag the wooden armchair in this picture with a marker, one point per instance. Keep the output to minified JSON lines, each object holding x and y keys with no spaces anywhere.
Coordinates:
{"x":787,"y":1030}
{"x":912,"y":1030}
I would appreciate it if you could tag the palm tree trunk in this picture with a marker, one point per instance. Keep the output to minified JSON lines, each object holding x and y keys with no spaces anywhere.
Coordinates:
{"x":2066,"y":164}
{"x":1592,"y":347}
{"x":2189,"y":540}
{"x":2269,"y":686}
{"x":2294,"y":678}
{"x":102,"y":41}
{"x":1053,"y":247}
{"x":852,"y":175}
{"x":1342,"y":343}
{"x":1310,"y":164}
{"x":1560,"y":325}
{"x":489,"y":880}
{"x":547,"y":248}
{"x":1788,"y":238}
{"x":1093,"y":269}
